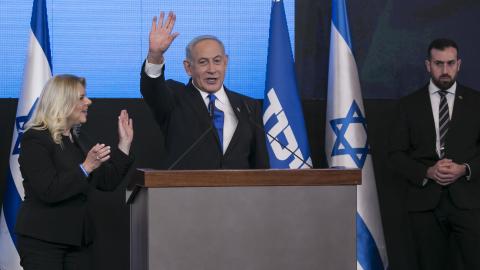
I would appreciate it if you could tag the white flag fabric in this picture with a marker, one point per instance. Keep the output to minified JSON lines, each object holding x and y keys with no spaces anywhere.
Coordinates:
{"x":346,"y":143}
{"x":38,"y":70}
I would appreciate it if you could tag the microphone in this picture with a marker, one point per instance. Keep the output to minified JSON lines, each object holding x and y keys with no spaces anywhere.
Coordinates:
{"x":190,"y":148}
{"x":135,"y":189}
{"x":257,"y":125}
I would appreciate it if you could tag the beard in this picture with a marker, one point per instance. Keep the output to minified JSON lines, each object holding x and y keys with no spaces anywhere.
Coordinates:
{"x":444,"y":82}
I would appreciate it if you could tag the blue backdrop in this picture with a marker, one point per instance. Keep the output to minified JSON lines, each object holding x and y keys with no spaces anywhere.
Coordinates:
{"x":107,"y":41}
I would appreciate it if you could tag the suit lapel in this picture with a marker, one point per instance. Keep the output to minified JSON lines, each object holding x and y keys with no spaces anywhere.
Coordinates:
{"x":458,"y":107}
{"x":460,"y":111}
{"x":237,"y":107}
{"x":196,"y":102}
{"x":83,"y":142}
{"x":426,"y":116}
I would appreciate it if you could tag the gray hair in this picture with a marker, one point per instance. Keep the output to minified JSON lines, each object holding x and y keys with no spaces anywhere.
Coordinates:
{"x":196,"y":40}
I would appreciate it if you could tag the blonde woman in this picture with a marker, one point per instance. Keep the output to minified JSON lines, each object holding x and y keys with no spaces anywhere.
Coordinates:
{"x":60,"y":168}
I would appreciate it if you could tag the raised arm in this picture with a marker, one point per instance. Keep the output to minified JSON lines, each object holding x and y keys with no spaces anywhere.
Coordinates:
{"x":161,"y":37}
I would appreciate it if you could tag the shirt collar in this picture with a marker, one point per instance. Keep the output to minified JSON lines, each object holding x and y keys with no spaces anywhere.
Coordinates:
{"x":221,"y":95}
{"x":433,"y":89}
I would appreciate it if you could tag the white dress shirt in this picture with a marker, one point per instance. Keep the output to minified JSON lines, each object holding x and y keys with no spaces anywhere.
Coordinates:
{"x":230,"y":119}
{"x":153,"y":70}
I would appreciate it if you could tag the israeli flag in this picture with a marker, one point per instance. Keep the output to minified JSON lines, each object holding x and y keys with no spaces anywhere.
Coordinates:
{"x":38,"y":70}
{"x":346,"y":142}
{"x":282,"y":109}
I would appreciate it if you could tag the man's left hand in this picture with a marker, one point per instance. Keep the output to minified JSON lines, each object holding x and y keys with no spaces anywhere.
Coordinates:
{"x":451,"y":172}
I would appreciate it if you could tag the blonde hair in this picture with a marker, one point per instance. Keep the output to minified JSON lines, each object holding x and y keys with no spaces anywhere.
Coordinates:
{"x":56,"y":103}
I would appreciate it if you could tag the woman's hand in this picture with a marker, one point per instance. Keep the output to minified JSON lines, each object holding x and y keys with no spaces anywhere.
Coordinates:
{"x":125,"y":132}
{"x":96,"y":156}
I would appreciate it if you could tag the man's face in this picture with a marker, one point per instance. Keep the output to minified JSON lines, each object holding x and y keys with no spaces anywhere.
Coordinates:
{"x":207,"y":66}
{"x":443,"y":67}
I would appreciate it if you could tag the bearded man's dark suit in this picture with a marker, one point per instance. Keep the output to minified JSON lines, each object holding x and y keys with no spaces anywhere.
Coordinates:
{"x":413,"y":151}
{"x":183,"y":117}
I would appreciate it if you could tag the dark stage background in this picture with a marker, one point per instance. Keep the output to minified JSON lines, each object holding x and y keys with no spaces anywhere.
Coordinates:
{"x":389,"y":42}
{"x":111,"y":214}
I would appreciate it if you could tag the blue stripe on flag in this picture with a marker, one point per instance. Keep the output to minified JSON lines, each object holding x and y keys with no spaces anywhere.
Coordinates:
{"x":368,"y":255}
{"x":340,"y":20}
{"x":344,"y":108}
{"x":34,"y":78}
{"x":39,"y":24}
{"x":11,"y":203}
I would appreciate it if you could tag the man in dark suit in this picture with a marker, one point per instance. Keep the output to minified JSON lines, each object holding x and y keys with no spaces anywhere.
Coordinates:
{"x":435,"y":147}
{"x":205,"y":125}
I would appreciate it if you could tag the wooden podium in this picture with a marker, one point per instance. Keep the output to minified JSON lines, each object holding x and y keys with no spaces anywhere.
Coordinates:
{"x":243,"y":219}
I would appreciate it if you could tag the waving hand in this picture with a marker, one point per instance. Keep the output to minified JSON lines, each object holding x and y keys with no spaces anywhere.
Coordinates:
{"x":161,"y":37}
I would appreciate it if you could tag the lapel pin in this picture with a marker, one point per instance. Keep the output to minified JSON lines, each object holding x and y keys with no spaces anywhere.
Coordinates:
{"x":460,"y":97}
{"x":238,"y":109}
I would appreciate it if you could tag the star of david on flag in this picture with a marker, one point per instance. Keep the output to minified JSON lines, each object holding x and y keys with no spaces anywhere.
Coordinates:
{"x":20,"y":122}
{"x":346,"y":142}
{"x":342,"y":145}
{"x":37,"y":71}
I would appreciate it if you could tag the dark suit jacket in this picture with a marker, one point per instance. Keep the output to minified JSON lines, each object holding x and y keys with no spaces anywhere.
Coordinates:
{"x":413,"y":150}
{"x":183,"y":118}
{"x":57,"y":191}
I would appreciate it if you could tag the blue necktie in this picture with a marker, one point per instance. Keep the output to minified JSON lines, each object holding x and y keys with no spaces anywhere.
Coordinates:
{"x":217,"y":117}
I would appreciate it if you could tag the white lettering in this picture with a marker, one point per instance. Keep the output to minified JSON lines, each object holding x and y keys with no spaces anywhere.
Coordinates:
{"x":282,"y":126}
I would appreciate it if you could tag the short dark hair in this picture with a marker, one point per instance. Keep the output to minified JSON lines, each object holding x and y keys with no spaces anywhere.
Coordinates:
{"x":441,"y":44}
